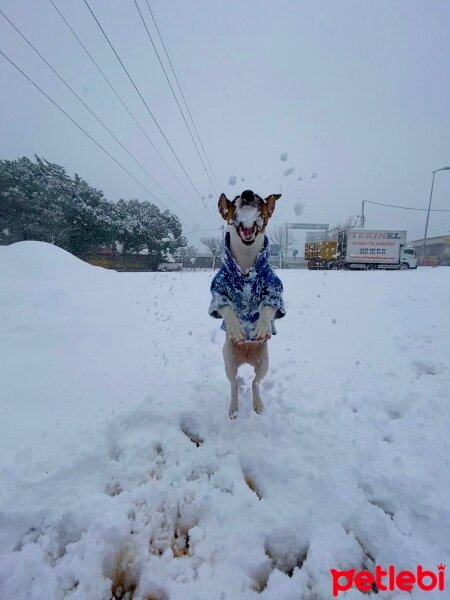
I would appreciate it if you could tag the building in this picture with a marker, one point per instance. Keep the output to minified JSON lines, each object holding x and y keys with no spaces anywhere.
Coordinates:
{"x":316,"y":236}
{"x":437,"y":251}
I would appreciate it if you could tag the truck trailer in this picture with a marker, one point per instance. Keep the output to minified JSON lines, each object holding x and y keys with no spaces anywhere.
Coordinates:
{"x":320,"y":255}
{"x":374,"y":249}
{"x":362,"y":249}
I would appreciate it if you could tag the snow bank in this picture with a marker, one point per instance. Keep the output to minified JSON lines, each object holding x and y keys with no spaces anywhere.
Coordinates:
{"x":120,"y":472}
{"x":40,"y":260}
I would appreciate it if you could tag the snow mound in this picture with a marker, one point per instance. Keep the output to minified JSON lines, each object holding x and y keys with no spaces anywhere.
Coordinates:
{"x":41,"y":260}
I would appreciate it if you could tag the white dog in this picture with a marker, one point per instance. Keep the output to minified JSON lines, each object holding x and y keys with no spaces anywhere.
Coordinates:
{"x":246,"y":293}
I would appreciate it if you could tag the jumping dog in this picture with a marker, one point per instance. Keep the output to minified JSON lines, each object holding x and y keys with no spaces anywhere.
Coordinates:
{"x":246,"y":293}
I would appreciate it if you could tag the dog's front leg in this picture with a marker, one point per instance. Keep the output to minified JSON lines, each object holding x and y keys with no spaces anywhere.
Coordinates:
{"x":234,"y":327}
{"x":263,"y":329}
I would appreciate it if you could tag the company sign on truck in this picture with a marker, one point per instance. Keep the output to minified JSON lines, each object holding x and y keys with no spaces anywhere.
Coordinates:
{"x":374,"y":246}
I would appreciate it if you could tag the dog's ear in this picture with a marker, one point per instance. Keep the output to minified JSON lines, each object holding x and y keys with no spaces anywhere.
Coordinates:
{"x":270,"y":203}
{"x":224,"y":206}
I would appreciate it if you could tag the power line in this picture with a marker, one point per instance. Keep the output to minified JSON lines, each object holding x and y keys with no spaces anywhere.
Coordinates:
{"x":79,"y":126}
{"x":174,"y":95}
{"x":182,"y":94}
{"x":432,"y":227}
{"x":123,"y":103}
{"x":407,"y":207}
{"x":91,"y":112}
{"x":142,"y":98}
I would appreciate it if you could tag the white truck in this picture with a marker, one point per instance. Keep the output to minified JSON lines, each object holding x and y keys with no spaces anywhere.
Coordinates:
{"x":374,"y":249}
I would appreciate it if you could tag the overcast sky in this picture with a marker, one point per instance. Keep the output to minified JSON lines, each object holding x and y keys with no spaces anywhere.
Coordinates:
{"x":356,"y":93}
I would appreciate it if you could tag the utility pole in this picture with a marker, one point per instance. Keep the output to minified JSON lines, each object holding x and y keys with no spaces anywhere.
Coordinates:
{"x":428,"y":212}
{"x":223,"y":240}
{"x":362,"y":214}
{"x":286,"y":249}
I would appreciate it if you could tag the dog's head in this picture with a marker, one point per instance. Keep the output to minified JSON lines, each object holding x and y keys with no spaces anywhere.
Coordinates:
{"x":248,"y":213}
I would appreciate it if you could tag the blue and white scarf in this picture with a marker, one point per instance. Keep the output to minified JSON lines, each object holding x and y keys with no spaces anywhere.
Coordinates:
{"x":246,"y":293}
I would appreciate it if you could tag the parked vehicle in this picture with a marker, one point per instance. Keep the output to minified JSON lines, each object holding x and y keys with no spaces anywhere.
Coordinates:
{"x":321,"y":255}
{"x":363,"y":249}
{"x":170,"y":267}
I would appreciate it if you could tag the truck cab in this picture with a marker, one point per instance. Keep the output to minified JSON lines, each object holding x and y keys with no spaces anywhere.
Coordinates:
{"x":408,"y":258}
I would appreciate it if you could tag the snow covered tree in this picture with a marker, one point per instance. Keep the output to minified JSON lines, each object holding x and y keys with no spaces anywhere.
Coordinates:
{"x":187,"y":255}
{"x":140,"y":226}
{"x":39,"y":201}
{"x":164,"y":235}
{"x":31,"y":199}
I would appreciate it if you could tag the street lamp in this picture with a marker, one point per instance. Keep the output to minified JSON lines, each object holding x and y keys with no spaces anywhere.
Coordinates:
{"x":428,"y":212}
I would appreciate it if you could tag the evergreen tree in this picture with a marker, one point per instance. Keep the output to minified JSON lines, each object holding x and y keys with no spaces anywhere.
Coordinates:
{"x":39,"y":201}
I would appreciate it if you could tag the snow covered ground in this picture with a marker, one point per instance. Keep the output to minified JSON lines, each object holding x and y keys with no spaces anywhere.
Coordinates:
{"x":121,"y":476}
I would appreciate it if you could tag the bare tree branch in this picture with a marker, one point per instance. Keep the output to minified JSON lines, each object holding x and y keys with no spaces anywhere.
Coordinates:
{"x":214,"y":245}
{"x":349,"y":223}
{"x":277,"y":235}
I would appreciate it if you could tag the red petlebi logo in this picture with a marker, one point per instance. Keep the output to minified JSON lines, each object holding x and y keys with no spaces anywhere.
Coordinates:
{"x":388,"y":579}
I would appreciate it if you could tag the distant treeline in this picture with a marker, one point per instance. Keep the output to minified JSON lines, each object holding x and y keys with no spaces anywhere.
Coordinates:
{"x":39,"y":201}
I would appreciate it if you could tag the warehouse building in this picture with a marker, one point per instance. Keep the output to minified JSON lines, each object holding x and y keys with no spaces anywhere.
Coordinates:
{"x":437,"y":251}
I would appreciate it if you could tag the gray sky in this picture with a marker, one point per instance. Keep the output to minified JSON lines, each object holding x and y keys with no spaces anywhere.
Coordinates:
{"x":356,"y":92}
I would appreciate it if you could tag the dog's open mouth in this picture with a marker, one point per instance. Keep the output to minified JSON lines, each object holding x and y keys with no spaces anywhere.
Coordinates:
{"x":247,"y":234}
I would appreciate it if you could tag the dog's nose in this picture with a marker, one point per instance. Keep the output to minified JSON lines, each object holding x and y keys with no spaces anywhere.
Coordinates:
{"x":247,"y":197}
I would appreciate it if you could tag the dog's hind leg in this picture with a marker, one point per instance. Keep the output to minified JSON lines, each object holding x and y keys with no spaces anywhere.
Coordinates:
{"x":261,"y":365}
{"x":231,"y":369}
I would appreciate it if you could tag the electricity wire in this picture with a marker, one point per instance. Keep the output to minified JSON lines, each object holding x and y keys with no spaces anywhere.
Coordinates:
{"x":123,"y":103}
{"x":433,"y":227}
{"x":144,"y":102}
{"x":92,"y":113}
{"x":174,"y":95}
{"x":408,"y":207}
{"x":80,"y":127}
{"x":182,"y":94}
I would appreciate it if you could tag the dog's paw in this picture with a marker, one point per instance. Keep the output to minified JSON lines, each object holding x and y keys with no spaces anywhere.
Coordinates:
{"x":233,"y":410}
{"x":263,"y":330}
{"x":235,"y":330}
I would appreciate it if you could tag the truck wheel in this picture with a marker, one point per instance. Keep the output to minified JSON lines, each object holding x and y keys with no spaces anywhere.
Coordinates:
{"x":371,"y":267}
{"x":403,"y":266}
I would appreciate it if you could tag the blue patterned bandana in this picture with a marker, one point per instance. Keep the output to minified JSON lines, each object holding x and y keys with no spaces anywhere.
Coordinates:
{"x":247,"y":294}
